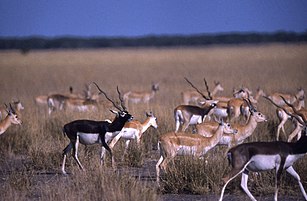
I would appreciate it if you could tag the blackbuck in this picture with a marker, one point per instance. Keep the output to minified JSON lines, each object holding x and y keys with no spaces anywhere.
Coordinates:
{"x":134,"y":130}
{"x":290,"y":98}
{"x":71,"y":101}
{"x":89,"y":132}
{"x":263,"y":156}
{"x":141,"y":96}
{"x":172,"y":144}
{"x":17,"y":107}
{"x":240,"y":93}
{"x":192,"y":96}
{"x":186,"y":115}
{"x":236,"y":106}
{"x":231,"y":107}
{"x":283,"y":116}
{"x":297,"y":131}
{"x":221,"y":110}
{"x":42,"y":99}
{"x":243,"y":92}
{"x":244,"y":131}
{"x":11,"y":118}
{"x":81,"y":105}
{"x":62,"y":102}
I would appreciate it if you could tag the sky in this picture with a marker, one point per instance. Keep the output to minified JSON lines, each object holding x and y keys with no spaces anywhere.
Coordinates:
{"x":134,"y":18}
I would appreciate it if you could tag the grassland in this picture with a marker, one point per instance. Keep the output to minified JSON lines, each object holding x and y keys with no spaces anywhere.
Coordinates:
{"x":31,"y":154}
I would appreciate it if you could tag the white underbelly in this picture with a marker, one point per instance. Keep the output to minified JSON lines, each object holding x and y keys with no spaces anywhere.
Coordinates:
{"x":186,"y":150}
{"x":220,"y":112}
{"x":195,"y":119}
{"x":110,"y":135}
{"x":89,"y":138}
{"x":128,"y":133}
{"x":263,"y":162}
{"x":135,"y":100}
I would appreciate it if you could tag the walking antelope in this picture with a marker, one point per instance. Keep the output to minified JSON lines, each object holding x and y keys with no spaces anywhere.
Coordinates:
{"x":11,"y":118}
{"x":283,"y":116}
{"x":134,"y":130}
{"x":296,"y":132}
{"x":244,"y":131}
{"x":276,"y":97}
{"x":141,"y":97}
{"x":172,"y":144}
{"x":89,"y":132}
{"x":262,"y":156}
{"x":191,"y":96}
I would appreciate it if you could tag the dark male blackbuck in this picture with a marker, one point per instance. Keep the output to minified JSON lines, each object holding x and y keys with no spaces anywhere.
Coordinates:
{"x":191,"y":114}
{"x":262,"y":156}
{"x":89,"y":132}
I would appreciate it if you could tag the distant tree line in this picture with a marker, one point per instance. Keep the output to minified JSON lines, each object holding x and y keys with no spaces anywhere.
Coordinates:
{"x":30,"y":43}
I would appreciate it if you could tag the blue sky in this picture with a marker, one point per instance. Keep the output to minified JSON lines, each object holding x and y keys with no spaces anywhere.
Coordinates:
{"x":146,"y":17}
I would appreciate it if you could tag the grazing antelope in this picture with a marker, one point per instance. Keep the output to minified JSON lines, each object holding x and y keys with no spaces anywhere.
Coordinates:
{"x":244,"y":131}
{"x":11,"y":118}
{"x":263,"y":156}
{"x":81,"y":105}
{"x":61,"y":102}
{"x":172,"y":144}
{"x":276,"y":97}
{"x":134,"y":130}
{"x":89,"y":132}
{"x":191,"y":96}
{"x":141,"y":97}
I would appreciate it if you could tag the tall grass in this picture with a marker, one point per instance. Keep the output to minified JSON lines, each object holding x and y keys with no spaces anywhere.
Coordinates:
{"x":31,"y":154}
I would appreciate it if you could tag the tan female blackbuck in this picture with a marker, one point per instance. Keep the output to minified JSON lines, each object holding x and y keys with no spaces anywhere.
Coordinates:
{"x":11,"y":118}
{"x":244,"y":131}
{"x":172,"y":144}
{"x":141,"y":96}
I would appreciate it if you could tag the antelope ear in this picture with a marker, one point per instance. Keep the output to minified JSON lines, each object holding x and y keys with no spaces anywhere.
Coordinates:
{"x":149,"y":114}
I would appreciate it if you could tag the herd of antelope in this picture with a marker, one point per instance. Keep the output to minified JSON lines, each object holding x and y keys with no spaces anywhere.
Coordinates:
{"x":214,"y":120}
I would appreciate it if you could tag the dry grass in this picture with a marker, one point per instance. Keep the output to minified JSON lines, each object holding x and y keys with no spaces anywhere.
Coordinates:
{"x":31,"y":154}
